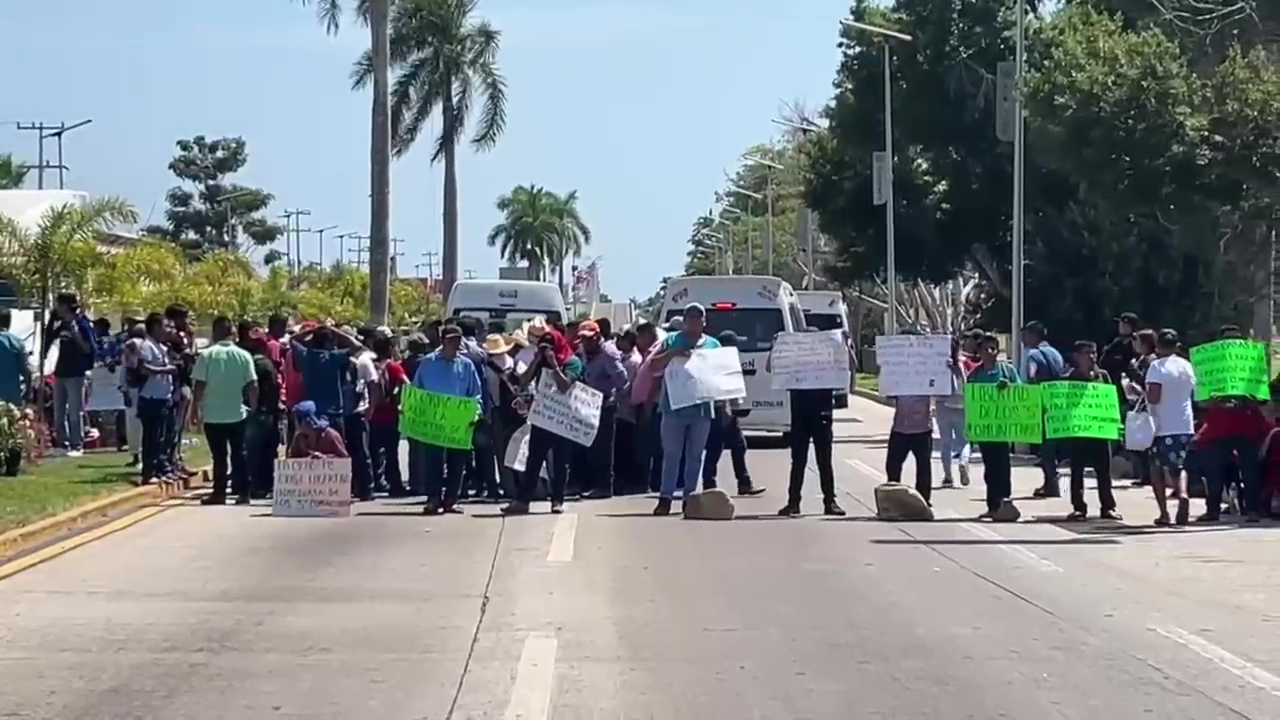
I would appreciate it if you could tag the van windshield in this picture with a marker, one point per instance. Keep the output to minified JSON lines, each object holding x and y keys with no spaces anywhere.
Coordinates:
{"x":505,"y":319}
{"x":755,"y":327}
{"x":823,"y":321}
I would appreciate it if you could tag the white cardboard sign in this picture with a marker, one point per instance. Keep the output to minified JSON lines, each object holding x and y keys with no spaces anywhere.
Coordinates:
{"x":312,"y":487}
{"x":810,"y":361}
{"x":705,"y":376}
{"x":914,"y":364}
{"x":574,"y":414}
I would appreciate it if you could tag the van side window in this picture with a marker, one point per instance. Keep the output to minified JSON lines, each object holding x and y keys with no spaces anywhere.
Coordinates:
{"x":798,"y":322}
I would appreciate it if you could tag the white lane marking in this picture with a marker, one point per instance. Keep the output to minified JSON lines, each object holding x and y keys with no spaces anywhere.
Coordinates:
{"x":535,"y":676}
{"x":1237,"y":666}
{"x":865,"y":468}
{"x":562,"y":538}
{"x":982,"y":532}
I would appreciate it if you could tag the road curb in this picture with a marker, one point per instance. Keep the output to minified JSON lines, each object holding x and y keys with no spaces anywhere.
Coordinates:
{"x":21,"y":539}
{"x":873,"y":397}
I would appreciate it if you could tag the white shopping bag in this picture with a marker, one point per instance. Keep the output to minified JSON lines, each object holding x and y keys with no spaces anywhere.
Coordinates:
{"x":1139,"y":428}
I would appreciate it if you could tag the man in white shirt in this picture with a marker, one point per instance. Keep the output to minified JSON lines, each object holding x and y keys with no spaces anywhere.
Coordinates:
{"x":1171,"y":386}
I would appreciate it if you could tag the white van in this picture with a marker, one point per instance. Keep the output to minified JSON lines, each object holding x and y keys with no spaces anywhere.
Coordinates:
{"x":756,"y":308}
{"x":505,"y":303}
{"x":826,"y":310}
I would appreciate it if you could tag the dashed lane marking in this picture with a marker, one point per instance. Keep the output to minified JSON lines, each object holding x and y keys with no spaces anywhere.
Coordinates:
{"x":1237,"y":666}
{"x":562,"y":538}
{"x":535,"y":678}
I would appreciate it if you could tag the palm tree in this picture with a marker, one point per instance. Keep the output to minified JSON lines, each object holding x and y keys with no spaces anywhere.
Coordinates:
{"x":446,"y":60}
{"x":12,"y":174}
{"x":572,"y":236}
{"x":530,"y":227}
{"x":376,"y":14}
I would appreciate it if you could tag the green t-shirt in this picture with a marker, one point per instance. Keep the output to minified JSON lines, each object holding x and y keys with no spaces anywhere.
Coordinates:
{"x":224,"y":369}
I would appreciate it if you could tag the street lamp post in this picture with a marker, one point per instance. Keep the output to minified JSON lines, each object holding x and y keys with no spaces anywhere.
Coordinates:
{"x":225,"y":202}
{"x":891,"y":262}
{"x":722,"y":251}
{"x":768,"y":248}
{"x":768,"y":227}
{"x":320,"y":240}
{"x":1019,"y":159}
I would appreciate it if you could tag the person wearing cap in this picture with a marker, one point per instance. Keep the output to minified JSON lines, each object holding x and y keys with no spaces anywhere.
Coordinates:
{"x":225,"y":388}
{"x":1043,"y":364}
{"x":447,"y":371}
{"x":1171,"y":387}
{"x":684,"y":430}
{"x":726,"y":433}
{"x":313,"y":437}
{"x":1119,"y":355}
{"x":602,"y":371}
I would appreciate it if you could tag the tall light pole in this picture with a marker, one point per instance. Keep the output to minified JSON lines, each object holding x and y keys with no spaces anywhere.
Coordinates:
{"x":721,"y":212}
{"x":342,"y":245}
{"x":768,"y":246}
{"x":1016,"y":280}
{"x":722,"y":251}
{"x":750,"y":265}
{"x":808,"y":222}
{"x":225,"y":202}
{"x":885,"y":176}
{"x":769,"y":226}
{"x":319,"y":232}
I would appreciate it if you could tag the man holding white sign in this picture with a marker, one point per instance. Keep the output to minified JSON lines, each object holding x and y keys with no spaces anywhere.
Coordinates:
{"x":914,"y":364}
{"x":811,"y":421}
{"x":810,"y":361}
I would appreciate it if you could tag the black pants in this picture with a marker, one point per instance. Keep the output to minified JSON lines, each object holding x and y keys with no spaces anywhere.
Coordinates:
{"x":226,"y":445}
{"x":595,"y":461}
{"x":122,"y":435}
{"x":918,"y":445}
{"x":1094,"y":453}
{"x":815,"y":428}
{"x":384,"y":456}
{"x":262,"y":444}
{"x":417,"y":468}
{"x":442,"y":468}
{"x":542,"y":442}
{"x":725,"y":435}
{"x":997,"y":473}
{"x":1221,"y":455}
{"x":626,"y":468}
{"x":355,"y":432}
{"x":484,"y":460}
{"x":650,"y":450}
{"x":154,"y":414}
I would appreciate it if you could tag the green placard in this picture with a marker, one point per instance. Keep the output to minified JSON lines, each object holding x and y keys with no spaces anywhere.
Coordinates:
{"x":436,"y":419}
{"x":1231,"y":368}
{"x":1010,"y":415}
{"x":1076,"y":409}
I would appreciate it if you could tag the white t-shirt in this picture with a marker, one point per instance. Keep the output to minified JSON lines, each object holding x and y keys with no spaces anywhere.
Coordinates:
{"x":1177,"y":388}
{"x":366,"y":372}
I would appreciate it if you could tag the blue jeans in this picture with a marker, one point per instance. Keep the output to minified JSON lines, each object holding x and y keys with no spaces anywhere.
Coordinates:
{"x":68,"y":411}
{"x":951,"y":437}
{"x":687,"y":433}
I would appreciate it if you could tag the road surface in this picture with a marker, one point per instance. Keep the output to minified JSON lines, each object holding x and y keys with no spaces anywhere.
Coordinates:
{"x":608,"y":612}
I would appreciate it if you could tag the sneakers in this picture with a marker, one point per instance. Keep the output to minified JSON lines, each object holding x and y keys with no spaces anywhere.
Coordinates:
{"x":947,"y":484}
{"x":833,"y":508}
{"x":789,"y":510}
{"x":964,"y":475}
{"x":75,"y":453}
{"x":749,"y":490}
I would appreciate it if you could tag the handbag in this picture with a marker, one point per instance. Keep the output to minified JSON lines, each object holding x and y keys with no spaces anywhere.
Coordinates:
{"x":1139,"y":428}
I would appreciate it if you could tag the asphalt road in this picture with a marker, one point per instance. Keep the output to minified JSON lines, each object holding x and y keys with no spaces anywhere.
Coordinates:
{"x":607,"y":612}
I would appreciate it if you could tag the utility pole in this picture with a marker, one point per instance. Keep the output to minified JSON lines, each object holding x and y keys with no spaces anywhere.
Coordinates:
{"x":430,"y":261}
{"x":293,"y":248}
{"x":342,"y":245}
{"x":395,"y":253}
{"x":48,"y":131}
{"x":360,"y":250}
{"x":319,"y":232}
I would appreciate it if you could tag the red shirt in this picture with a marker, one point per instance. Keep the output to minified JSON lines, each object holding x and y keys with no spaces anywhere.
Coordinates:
{"x":1232,"y":421}
{"x":388,"y":411}
{"x":274,"y":354}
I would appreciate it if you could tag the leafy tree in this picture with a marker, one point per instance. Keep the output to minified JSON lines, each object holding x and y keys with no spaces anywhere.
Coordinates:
{"x":447,"y":60}
{"x":539,"y":227}
{"x":12,"y":173}
{"x":62,"y":250}
{"x":376,"y":14}
{"x":210,"y":212}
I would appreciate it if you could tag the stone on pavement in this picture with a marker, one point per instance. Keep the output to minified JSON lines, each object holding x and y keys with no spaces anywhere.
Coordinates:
{"x":898,"y":502}
{"x":712,"y":504}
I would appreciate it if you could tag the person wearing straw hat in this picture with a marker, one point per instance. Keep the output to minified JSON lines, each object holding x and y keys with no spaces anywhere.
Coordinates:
{"x":505,"y":416}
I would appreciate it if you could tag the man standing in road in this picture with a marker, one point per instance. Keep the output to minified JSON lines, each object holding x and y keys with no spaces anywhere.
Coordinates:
{"x":226,"y":387}
{"x":996,"y":464}
{"x":1171,"y":386}
{"x":727,"y":434}
{"x":811,"y":421}
{"x":1094,"y":453}
{"x":447,"y":372}
{"x":1044,"y":364}
{"x":603,"y":371}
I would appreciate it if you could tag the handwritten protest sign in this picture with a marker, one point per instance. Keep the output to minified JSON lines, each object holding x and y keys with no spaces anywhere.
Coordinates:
{"x":517,"y":457}
{"x":705,"y":376}
{"x":104,"y":390}
{"x":1074,"y":409}
{"x":436,"y":419}
{"x":914,"y":364}
{"x":574,"y":414}
{"x":810,"y":361}
{"x":1012,"y":415}
{"x":312,"y":487}
{"x":1231,"y":367}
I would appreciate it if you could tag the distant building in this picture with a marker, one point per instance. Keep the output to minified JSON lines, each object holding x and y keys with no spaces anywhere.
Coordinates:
{"x":516,"y":272}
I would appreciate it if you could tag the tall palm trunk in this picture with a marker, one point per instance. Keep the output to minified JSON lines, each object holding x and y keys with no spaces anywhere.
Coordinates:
{"x":380,"y":165}
{"x":450,"y":259}
{"x":560,"y":272}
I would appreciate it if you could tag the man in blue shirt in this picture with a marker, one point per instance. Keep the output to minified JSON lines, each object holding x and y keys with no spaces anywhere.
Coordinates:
{"x":71,"y":329}
{"x":1043,"y":364}
{"x":447,"y":372}
{"x":15,"y":363}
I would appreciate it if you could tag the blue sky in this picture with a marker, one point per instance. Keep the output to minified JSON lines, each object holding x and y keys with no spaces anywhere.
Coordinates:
{"x":638,"y":104}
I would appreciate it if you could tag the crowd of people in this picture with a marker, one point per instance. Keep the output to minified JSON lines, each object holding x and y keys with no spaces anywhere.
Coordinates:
{"x":1228,"y":448}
